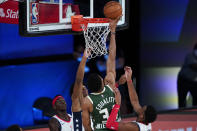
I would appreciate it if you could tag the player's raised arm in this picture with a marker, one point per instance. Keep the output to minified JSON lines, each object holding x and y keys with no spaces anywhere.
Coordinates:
{"x":132,"y":93}
{"x":111,"y":67}
{"x":78,"y":85}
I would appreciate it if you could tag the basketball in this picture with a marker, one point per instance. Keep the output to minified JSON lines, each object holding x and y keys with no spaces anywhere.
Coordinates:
{"x":112,"y":10}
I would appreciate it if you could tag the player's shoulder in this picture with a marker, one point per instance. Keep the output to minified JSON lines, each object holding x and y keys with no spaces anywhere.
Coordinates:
{"x":142,"y":126}
{"x":109,"y":87}
{"x":53,"y":121}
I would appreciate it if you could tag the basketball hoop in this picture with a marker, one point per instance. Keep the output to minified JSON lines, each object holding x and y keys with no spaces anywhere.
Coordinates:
{"x":95,"y":32}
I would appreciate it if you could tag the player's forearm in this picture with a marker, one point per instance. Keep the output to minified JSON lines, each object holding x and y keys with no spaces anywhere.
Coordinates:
{"x":111,"y":122}
{"x":79,"y":79}
{"x":112,"y":47}
{"x":86,"y":124}
{"x":80,"y":71}
{"x":112,"y":54}
{"x":87,"y":128}
{"x":133,"y":96}
{"x":86,"y":115}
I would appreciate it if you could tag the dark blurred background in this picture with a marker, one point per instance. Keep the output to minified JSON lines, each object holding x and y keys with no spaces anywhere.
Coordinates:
{"x":159,"y":36}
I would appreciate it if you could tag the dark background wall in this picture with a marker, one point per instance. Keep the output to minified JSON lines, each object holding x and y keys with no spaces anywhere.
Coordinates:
{"x":167,"y":34}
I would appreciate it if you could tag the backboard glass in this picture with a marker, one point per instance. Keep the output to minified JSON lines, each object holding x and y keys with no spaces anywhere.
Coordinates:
{"x":44,"y":17}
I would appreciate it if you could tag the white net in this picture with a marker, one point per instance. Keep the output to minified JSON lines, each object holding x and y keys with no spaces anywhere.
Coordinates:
{"x":95,"y":35}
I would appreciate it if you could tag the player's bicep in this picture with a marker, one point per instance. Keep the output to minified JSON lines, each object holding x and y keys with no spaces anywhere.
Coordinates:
{"x":54,"y":125}
{"x":76,"y":97}
{"x":136,"y":106}
{"x":110,"y":79}
{"x":77,"y":90}
{"x":76,"y":106}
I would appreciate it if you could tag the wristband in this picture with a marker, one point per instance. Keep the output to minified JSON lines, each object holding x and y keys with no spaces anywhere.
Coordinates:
{"x":129,"y":81}
{"x":116,"y":84}
{"x":116,"y":106}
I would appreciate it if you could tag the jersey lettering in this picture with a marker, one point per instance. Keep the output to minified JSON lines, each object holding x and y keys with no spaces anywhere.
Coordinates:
{"x":104,"y":102}
{"x":102,"y":106}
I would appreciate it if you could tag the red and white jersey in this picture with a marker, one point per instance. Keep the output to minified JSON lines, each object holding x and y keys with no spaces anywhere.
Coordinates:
{"x":65,"y":125}
{"x":144,"y":127}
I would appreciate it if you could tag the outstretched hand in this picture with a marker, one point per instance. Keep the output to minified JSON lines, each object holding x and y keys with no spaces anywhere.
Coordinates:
{"x":113,"y":23}
{"x":128,"y":72}
{"x":87,"y":52}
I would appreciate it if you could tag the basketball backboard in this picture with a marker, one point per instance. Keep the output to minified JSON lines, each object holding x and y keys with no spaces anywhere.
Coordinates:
{"x":44,"y":17}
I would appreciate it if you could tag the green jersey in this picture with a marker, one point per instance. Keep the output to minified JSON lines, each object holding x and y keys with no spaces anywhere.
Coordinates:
{"x":103,"y":103}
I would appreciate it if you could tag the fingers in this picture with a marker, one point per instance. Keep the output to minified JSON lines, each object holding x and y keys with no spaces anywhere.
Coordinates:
{"x":87,"y":52}
{"x":126,"y":68}
{"x":116,"y":20}
{"x":128,"y":72}
{"x":113,"y":23}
